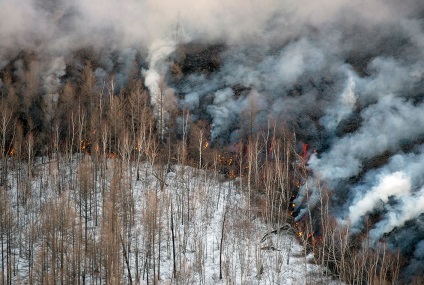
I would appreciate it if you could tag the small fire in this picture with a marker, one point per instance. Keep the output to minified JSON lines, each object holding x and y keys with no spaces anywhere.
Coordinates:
{"x":224,"y":161}
{"x":12,"y":152}
{"x":83,"y":145}
{"x":231,"y":174}
{"x":206,"y":145}
{"x":304,"y":152}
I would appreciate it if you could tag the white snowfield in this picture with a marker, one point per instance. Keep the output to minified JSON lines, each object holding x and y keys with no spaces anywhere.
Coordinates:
{"x":205,"y":209}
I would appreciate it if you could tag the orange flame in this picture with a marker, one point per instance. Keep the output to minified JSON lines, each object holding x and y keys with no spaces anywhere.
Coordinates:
{"x":230,"y":160}
{"x":304,"y":152}
{"x":206,"y":145}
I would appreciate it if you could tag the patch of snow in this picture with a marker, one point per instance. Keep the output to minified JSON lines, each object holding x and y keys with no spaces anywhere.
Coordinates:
{"x":203,"y":205}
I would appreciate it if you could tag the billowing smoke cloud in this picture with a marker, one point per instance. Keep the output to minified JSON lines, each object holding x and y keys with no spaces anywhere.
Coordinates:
{"x":409,"y":208}
{"x":385,"y":126}
{"x":396,"y":184}
{"x":347,"y":76}
{"x":399,"y":193}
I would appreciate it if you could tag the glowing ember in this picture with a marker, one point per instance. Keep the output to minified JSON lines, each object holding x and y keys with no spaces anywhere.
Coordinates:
{"x":206,"y":145}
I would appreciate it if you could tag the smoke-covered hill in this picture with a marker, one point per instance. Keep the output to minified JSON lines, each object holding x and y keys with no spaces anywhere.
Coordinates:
{"x":346,"y":77}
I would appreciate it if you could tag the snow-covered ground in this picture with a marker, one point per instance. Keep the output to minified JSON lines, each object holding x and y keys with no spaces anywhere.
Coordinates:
{"x":206,"y":210}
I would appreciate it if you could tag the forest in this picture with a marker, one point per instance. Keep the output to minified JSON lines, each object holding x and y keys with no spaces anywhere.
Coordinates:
{"x":102,"y":191}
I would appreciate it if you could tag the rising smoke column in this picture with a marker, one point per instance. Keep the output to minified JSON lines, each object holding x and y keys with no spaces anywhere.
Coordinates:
{"x":155,"y":82}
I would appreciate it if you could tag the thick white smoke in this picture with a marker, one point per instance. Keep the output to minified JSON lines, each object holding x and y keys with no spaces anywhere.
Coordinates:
{"x":155,"y":82}
{"x":409,"y":208}
{"x":400,"y":179}
{"x":386,"y":125}
{"x":396,"y":184}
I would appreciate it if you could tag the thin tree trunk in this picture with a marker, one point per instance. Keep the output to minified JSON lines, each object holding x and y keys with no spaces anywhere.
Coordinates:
{"x":126,"y":259}
{"x":221,"y":243}
{"x":173,"y":242}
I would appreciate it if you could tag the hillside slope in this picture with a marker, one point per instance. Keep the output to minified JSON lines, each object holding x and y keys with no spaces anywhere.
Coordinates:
{"x":90,"y":221}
